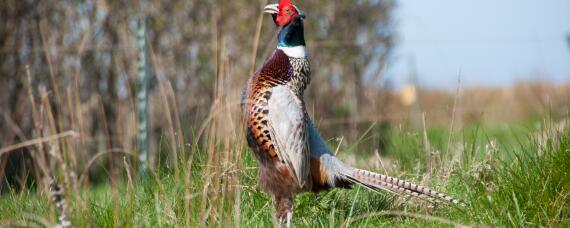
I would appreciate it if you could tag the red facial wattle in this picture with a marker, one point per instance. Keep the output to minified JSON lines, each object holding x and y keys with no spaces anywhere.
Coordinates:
{"x":287,"y":12}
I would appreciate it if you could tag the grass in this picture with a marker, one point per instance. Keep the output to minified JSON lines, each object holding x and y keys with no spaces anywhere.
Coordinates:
{"x":497,"y":171}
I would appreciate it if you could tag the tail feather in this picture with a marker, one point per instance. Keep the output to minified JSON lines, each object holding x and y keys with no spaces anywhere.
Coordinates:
{"x":337,"y":170}
{"x":375,"y":181}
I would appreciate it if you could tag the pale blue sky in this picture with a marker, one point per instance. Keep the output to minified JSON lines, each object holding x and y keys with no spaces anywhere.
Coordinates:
{"x":491,"y":42}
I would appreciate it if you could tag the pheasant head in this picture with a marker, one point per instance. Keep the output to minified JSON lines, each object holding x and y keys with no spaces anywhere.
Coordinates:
{"x":284,"y":12}
{"x":289,"y":19}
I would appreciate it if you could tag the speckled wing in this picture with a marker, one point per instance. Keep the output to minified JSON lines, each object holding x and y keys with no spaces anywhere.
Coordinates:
{"x":287,"y":123}
{"x":276,"y":117}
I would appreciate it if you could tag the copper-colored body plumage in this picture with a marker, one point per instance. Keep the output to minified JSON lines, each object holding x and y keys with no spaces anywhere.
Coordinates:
{"x":275,"y":175}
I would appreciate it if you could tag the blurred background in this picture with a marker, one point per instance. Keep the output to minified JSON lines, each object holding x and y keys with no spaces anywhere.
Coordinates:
{"x":71,"y":65}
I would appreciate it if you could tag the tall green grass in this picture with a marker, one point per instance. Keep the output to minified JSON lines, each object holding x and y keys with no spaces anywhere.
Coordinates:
{"x":508,"y":176}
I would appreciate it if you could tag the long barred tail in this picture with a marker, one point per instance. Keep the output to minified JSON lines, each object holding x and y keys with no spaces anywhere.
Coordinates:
{"x":375,"y":181}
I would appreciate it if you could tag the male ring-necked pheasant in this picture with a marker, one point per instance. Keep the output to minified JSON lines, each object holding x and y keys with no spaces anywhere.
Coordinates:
{"x":293,"y":158}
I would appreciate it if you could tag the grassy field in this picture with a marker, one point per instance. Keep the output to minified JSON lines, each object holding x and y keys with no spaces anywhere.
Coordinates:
{"x":72,"y":110}
{"x":516,"y":175}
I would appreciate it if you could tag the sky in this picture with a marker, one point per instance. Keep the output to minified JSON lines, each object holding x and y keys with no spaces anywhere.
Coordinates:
{"x":483,"y":42}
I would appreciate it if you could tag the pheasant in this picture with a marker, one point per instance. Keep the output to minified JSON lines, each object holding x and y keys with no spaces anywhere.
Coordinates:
{"x":293,"y":157}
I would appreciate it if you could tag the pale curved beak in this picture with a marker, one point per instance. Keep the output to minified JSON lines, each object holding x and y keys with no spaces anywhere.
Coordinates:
{"x":271,"y":9}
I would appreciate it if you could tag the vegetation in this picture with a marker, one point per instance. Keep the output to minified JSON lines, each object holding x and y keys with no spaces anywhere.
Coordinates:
{"x":521,"y":182}
{"x":80,"y":59}
{"x":67,"y":76}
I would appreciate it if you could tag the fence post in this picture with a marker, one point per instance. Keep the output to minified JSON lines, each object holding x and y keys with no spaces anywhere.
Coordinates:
{"x":142,"y":98}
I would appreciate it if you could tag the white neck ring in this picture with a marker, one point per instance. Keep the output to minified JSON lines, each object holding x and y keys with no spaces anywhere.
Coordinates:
{"x":295,"y":52}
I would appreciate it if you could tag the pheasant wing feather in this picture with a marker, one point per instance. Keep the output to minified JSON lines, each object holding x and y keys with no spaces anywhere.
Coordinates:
{"x":276,"y":117}
{"x":286,"y":122}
